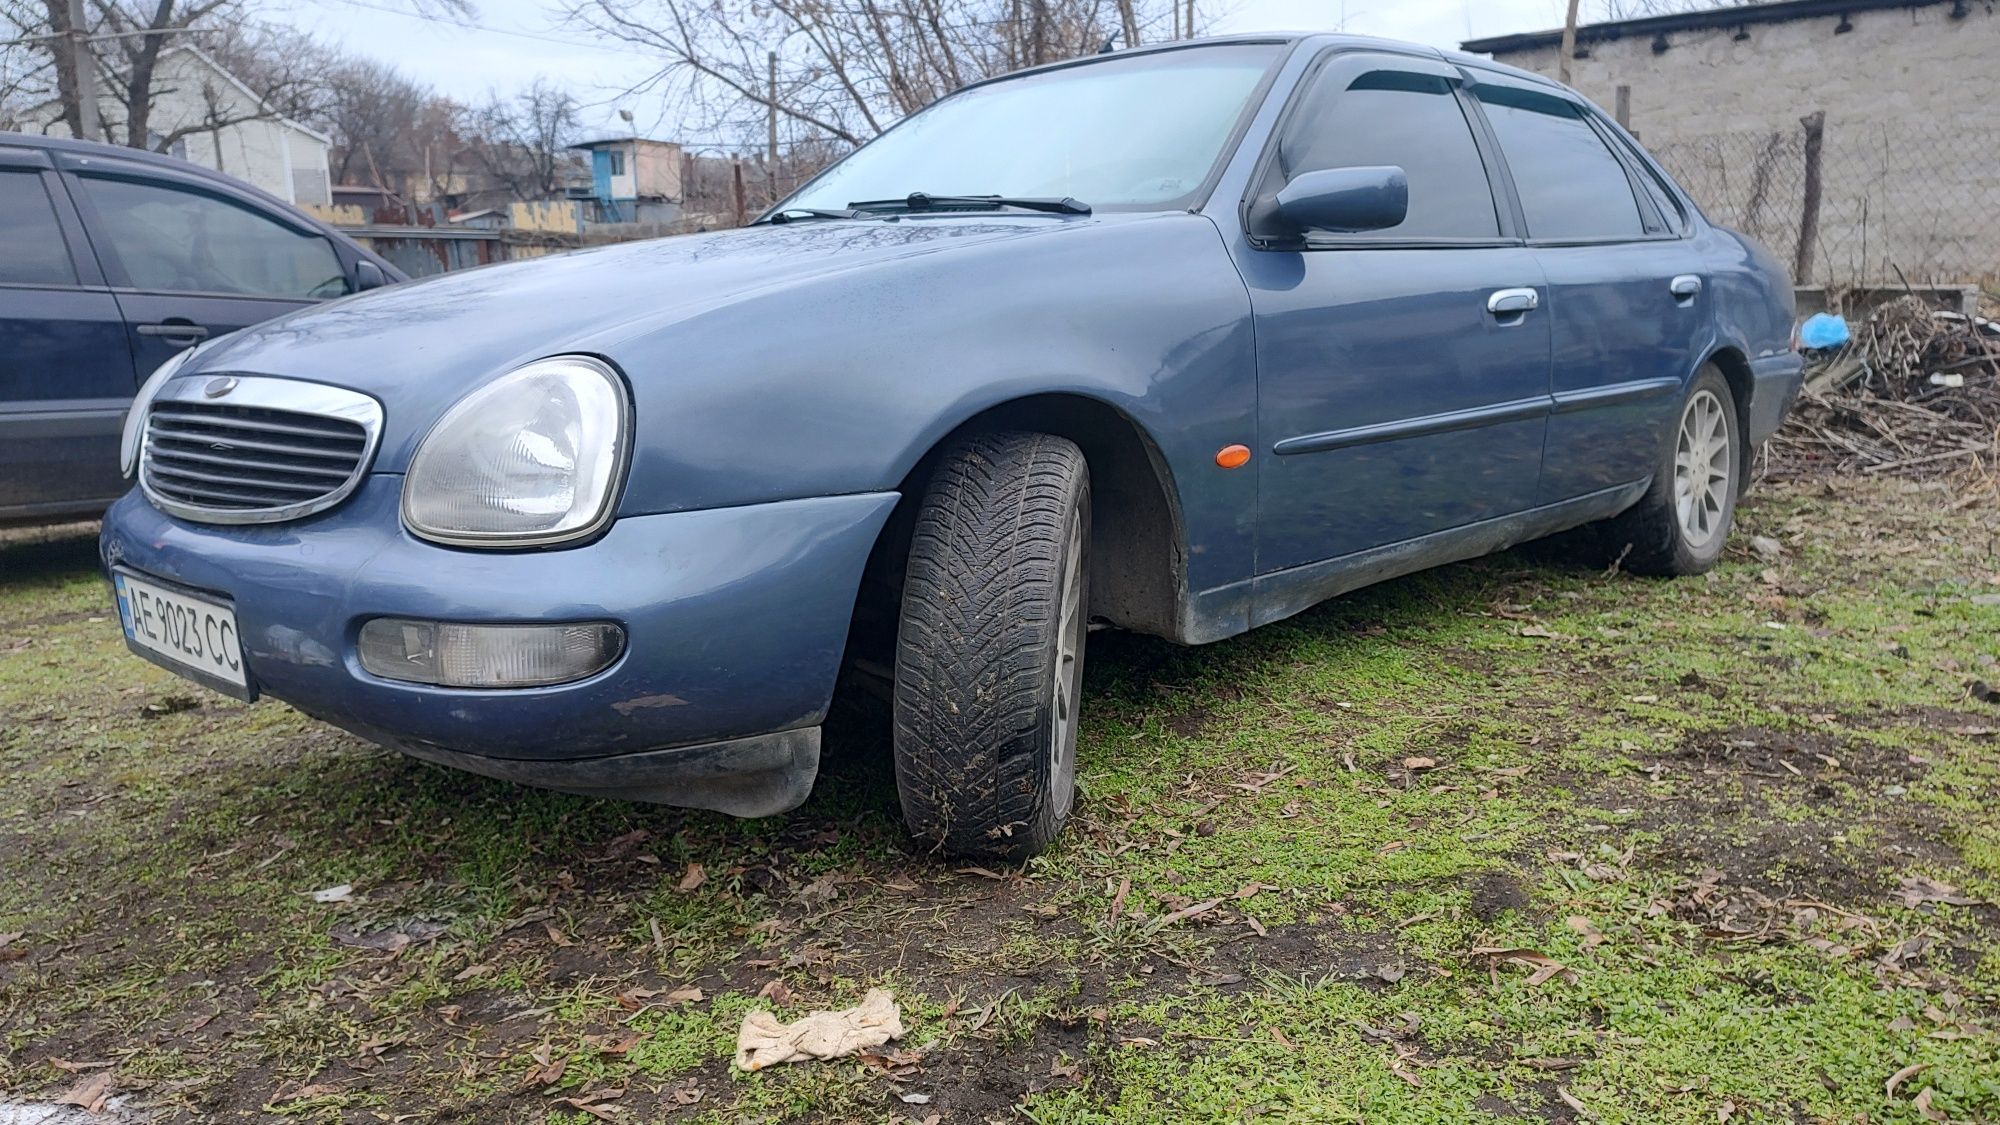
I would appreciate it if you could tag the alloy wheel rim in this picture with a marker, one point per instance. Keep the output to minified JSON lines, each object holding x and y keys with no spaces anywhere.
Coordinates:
{"x":1068,"y":671}
{"x":1703,"y":469}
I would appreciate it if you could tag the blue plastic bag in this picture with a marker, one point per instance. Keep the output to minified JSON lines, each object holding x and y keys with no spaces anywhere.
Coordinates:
{"x":1822,"y":330}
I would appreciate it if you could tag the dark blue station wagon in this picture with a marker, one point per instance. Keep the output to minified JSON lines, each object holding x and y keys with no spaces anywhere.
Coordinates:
{"x":111,"y":261}
{"x":1180,"y":340}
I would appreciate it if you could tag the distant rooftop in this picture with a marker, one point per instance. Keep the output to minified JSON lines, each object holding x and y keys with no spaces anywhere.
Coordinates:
{"x":603,"y":142}
{"x":1742,"y":15}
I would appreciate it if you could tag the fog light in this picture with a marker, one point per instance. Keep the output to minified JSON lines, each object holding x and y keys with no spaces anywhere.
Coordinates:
{"x":487,"y":656}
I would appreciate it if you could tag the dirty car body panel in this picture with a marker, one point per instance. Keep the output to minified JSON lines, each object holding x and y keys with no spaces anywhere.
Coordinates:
{"x":787,"y":384}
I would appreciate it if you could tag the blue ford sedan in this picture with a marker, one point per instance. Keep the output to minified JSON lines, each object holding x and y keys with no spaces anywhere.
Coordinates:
{"x":1181,"y":340}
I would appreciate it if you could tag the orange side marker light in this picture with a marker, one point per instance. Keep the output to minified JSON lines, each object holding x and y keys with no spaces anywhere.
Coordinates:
{"x":1233,"y":456}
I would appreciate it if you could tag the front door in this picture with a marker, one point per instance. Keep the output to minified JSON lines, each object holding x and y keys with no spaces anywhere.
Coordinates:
{"x":191,"y":263}
{"x":66,"y":373}
{"x":1627,"y":309}
{"x":1403,"y":374}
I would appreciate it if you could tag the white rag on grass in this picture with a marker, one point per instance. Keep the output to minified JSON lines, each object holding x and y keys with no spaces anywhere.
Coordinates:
{"x":763,"y":1041}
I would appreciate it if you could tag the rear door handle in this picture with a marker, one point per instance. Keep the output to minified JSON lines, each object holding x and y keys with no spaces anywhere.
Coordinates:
{"x":1685,"y":287}
{"x":1512,"y":302}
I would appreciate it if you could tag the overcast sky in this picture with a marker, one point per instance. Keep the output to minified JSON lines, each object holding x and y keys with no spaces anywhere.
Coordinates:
{"x":516,"y":40}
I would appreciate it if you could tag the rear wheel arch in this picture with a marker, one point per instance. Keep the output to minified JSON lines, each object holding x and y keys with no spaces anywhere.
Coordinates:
{"x":1735,"y":368}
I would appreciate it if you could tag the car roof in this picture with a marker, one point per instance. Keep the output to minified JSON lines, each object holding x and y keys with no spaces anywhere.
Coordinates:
{"x":188,"y":168}
{"x":101,"y":148}
{"x":1314,"y":40}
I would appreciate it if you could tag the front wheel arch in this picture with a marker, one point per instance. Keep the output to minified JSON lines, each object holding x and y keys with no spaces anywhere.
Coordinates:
{"x":1138,"y":536}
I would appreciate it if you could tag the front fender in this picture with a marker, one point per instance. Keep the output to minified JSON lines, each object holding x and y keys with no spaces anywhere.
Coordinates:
{"x":842,"y":384}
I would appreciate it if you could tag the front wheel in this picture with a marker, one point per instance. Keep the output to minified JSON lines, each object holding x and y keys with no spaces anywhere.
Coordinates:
{"x":989,"y":650}
{"x":1681,"y":523}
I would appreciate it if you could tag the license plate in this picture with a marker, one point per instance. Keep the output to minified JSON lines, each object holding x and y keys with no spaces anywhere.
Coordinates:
{"x":186,"y":633}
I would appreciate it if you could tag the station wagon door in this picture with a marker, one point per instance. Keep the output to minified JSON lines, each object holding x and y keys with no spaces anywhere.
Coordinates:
{"x":66,"y":374}
{"x":189,"y":262}
{"x":1403,"y":373}
{"x":1627,"y":303}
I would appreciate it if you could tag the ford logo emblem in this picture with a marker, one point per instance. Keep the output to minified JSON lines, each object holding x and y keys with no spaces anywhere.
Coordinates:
{"x":216,"y":388}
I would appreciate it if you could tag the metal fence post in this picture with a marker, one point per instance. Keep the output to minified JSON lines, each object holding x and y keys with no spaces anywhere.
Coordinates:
{"x":1815,"y":132}
{"x":736,"y":189}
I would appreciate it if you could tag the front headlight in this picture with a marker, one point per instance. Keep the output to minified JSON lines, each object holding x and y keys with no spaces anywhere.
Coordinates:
{"x":134,"y":433}
{"x":532,"y":458}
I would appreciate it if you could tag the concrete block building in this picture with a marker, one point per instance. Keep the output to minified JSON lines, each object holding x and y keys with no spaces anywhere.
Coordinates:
{"x":1910,"y":145}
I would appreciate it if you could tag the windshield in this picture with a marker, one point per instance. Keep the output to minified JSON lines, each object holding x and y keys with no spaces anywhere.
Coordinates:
{"x":1142,"y":131}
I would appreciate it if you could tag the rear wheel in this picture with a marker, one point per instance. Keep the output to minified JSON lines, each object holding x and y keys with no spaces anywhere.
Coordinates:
{"x":1681,"y":524}
{"x":989,"y":651}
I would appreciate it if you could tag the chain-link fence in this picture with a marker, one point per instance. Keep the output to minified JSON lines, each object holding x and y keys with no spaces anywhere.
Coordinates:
{"x":1919,"y":196}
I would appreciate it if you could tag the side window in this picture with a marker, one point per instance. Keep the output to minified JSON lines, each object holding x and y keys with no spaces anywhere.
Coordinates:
{"x":1663,"y":200}
{"x":1571,"y":186}
{"x":35,"y":253}
{"x":1409,"y":120}
{"x":173,"y":239}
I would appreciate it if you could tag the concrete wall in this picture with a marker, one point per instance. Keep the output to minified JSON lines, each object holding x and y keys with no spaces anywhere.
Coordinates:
{"x":1911,"y":162}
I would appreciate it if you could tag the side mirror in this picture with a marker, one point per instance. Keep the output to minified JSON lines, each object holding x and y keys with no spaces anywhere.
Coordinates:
{"x":1337,"y":200}
{"x":368,"y":275}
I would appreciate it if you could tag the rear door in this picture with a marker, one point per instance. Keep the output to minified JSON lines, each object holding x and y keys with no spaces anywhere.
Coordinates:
{"x":66,"y":374}
{"x":1627,"y":303}
{"x":191,"y":260}
{"x":1403,"y":373}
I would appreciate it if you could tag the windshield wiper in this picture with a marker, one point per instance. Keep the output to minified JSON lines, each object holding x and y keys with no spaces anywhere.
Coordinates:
{"x":925,"y":201}
{"x":791,"y":214}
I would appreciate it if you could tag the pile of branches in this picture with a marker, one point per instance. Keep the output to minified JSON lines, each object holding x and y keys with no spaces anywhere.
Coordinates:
{"x":1914,"y":392}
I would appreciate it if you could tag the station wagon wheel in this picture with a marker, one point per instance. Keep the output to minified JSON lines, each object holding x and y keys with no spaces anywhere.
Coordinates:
{"x":989,"y":648}
{"x":1680,"y":525}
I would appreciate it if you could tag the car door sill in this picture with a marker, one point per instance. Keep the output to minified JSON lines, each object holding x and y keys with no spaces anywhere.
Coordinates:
{"x":1225,"y":611}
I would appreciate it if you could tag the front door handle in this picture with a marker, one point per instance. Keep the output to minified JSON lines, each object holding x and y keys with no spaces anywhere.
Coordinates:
{"x":1685,"y":287}
{"x":1512,"y":302}
{"x":175,"y":331}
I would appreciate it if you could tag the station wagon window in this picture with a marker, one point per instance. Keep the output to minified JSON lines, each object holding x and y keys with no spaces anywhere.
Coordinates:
{"x":35,"y":253}
{"x":1412,"y":121}
{"x":1572,"y":188}
{"x":186,"y":241}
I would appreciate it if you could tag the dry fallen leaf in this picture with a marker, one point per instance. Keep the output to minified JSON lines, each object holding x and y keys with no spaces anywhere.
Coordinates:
{"x":692,"y":879}
{"x":89,"y":1093}
{"x":777,"y":992}
{"x":1896,"y":1079}
{"x":1416,"y":765}
{"x":1918,"y":889}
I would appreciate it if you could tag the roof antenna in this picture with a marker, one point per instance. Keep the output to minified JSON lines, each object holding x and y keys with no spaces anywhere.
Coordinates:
{"x":1108,"y":41}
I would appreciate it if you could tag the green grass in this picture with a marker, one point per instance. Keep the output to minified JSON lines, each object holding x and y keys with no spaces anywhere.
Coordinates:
{"x":1696,"y":796}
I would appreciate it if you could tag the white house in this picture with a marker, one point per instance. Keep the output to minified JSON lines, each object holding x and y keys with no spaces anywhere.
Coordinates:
{"x":223,"y":125}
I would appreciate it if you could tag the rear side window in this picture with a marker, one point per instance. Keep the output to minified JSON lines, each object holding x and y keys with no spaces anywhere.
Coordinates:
{"x":1571,"y":186}
{"x":1663,"y":200}
{"x":185,"y":241}
{"x":35,"y":253}
{"x":1412,"y":121}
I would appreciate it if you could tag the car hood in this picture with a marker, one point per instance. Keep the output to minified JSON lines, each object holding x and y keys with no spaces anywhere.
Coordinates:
{"x":441,"y":335}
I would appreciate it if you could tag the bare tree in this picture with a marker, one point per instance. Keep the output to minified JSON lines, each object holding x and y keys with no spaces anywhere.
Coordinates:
{"x":1640,"y":9}
{"x":129,"y":38}
{"x":523,"y":143}
{"x":847,"y":70}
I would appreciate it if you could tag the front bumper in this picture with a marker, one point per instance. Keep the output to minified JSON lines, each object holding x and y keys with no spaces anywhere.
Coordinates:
{"x":735,"y":620}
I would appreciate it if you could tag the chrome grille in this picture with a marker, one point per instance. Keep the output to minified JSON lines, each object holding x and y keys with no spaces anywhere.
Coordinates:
{"x":255,"y":450}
